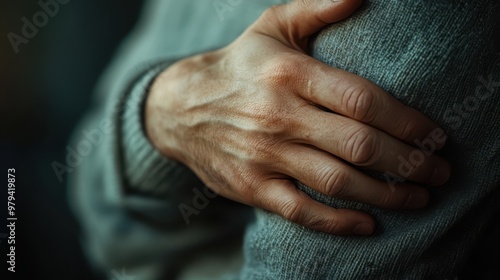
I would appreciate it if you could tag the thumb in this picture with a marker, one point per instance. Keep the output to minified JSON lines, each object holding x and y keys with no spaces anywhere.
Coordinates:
{"x":300,"y":19}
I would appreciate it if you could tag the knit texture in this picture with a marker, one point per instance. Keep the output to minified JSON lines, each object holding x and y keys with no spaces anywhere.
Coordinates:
{"x":441,"y":57}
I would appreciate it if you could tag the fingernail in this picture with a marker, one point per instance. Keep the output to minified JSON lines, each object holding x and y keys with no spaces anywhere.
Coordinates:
{"x":440,"y":174}
{"x":363,"y":228}
{"x":416,"y":200}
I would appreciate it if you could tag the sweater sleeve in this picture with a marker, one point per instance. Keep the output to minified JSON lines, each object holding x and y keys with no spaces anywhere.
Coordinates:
{"x":146,"y":170}
{"x":138,"y":209}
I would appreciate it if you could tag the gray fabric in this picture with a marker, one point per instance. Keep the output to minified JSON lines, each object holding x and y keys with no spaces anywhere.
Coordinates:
{"x":429,"y":54}
{"x":128,"y":219}
{"x":435,"y":56}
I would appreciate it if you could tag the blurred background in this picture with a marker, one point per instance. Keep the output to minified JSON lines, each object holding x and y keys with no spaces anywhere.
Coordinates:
{"x":45,"y":89}
{"x":46,"y":85}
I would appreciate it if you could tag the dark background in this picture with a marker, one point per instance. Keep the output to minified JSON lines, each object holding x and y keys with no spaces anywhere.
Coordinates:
{"x":45,"y":89}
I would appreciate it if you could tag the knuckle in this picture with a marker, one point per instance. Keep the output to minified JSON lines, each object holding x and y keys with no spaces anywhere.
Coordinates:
{"x":292,"y":211}
{"x":359,"y":102}
{"x":332,"y":182}
{"x":271,"y":13}
{"x":260,"y":144}
{"x":327,"y":225}
{"x":408,"y":130}
{"x":361,"y":147}
{"x":331,"y":225}
{"x":264,"y":148}
{"x":270,"y":117}
{"x":275,"y":119}
{"x":282,"y":72}
{"x":268,"y":134}
{"x":249,"y":189}
{"x":274,"y":17}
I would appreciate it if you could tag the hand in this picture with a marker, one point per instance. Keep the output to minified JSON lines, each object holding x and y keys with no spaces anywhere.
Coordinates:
{"x":250,"y":118}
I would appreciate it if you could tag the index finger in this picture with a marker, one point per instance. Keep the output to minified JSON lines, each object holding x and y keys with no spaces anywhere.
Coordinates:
{"x":357,"y":98}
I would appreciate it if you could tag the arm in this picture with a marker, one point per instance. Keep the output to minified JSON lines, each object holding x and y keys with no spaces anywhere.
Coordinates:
{"x":109,"y":189}
{"x":127,"y":220}
{"x":252,"y":117}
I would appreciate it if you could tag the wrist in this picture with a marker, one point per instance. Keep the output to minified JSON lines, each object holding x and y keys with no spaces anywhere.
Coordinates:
{"x":146,"y":170}
{"x":159,"y":111}
{"x":172,"y":108}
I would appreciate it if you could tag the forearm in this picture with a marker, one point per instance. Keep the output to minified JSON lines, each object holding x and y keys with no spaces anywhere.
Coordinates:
{"x":128,"y":198}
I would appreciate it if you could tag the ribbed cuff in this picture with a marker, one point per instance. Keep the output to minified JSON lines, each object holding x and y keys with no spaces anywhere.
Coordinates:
{"x":147,"y":171}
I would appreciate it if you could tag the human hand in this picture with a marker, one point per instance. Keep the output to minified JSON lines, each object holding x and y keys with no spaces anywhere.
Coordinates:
{"x":250,"y":118}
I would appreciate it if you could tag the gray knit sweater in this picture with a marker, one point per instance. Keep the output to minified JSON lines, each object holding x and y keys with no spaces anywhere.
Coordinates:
{"x":438,"y":56}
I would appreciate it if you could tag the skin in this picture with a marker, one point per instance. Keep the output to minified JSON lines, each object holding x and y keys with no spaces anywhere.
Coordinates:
{"x":250,"y":118}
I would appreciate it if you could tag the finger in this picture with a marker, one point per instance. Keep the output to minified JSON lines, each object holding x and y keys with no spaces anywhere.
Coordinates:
{"x":357,"y":98}
{"x":368,"y":147}
{"x":306,"y":17}
{"x":332,"y":177}
{"x":281,"y":196}
{"x":300,"y":19}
